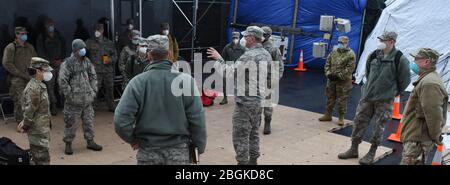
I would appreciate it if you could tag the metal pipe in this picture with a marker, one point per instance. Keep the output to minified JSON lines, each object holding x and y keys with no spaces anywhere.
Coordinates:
{"x":194,"y":30}
{"x":294,"y":24}
{"x":113,"y":30}
{"x":236,"y":3}
{"x":361,"y":33}
{"x":140,"y":16}
{"x":215,"y":2}
{"x":187,"y":19}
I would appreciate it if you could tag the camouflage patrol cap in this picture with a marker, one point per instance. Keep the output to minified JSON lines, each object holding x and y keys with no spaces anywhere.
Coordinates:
{"x":343,"y":39}
{"x":426,"y":53}
{"x":135,"y":33}
{"x":40,"y":63}
{"x":142,"y":41}
{"x":20,"y":29}
{"x":158,"y":42}
{"x":236,"y":34}
{"x":267,"y":30}
{"x":253,"y":31}
{"x":78,"y":44}
{"x":388,"y":35}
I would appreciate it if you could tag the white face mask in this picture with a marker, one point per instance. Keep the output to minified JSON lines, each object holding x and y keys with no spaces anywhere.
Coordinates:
{"x":381,"y":46}
{"x":165,"y":32}
{"x":48,"y":76}
{"x":143,"y":50}
{"x":97,"y":34}
{"x":263,"y":39}
{"x":235,"y":41}
{"x":130,"y":27}
{"x":243,"y":41}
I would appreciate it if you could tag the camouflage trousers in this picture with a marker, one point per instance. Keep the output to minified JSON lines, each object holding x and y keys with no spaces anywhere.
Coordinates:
{"x":106,"y":80}
{"x":40,"y":155}
{"x":71,"y":114}
{"x":337,"y":92}
{"x":379,"y":111}
{"x":173,"y":155}
{"x":16,"y":92}
{"x":416,"y":153}
{"x":246,"y":122}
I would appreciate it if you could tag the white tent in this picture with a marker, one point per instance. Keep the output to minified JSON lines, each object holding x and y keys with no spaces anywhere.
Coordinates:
{"x":418,"y":23}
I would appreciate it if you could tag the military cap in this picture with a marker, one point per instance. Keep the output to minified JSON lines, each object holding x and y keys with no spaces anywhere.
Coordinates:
{"x":20,"y":29}
{"x":426,"y":53}
{"x":40,"y":63}
{"x":165,"y":26}
{"x":253,"y":31}
{"x":388,"y":35}
{"x":158,"y":42}
{"x":267,"y":30}
{"x":236,"y":34}
{"x":78,"y":44}
{"x":135,"y":33}
{"x":343,"y":39}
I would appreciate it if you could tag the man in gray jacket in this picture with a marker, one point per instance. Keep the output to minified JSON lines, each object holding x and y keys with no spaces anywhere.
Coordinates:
{"x":154,"y":118}
{"x":387,"y":74}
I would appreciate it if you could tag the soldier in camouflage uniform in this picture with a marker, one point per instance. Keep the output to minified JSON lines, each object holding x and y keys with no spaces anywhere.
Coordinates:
{"x":278,"y":64}
{"x":51,"y":46}
{"x":78,"y":83}
{"x":231,"y":52}
{"x":152,"y":119}
{"x":103,"y":55}
{"x":16,"y":59}
{"x":128,"y":51}
{"x":386,"y":78}
{"x":136,"y":64}
{"x":36,"y":112}
{"x":425,"y":114}
{"x":338,"y":70}
{"x":248,"y":108}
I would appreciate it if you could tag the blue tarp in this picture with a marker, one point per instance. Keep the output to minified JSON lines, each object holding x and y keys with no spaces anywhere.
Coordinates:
{"x":280,"y":13}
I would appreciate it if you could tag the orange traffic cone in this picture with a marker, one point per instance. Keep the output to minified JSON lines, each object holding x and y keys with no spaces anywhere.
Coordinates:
{"x":300,"y":63}
{"x":396,"y":111}
{"x":437,"y":159}
{"x":396,"y":137}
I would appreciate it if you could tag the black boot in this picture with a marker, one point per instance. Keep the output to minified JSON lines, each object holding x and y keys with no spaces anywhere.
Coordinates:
{"x":253,"y":161}
{"x":93,"y":146}
{"x":224,"y":101}
{"x":68,"y":150}
{"x":267,"y":129}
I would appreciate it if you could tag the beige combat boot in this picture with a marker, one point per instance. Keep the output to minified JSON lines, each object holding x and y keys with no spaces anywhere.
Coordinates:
{"x":325,"y":117}
{"x":341,"y":120}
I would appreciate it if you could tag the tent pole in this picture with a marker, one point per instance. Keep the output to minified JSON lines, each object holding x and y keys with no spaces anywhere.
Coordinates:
{"x":194,"y":28}
{"x":236,"y":3}
{"x":362,"y":32}
{"x":140,"y":16}
{"x":112,"y":22}
{"x":294,"y":24}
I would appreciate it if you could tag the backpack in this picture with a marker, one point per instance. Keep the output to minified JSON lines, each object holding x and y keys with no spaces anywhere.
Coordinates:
{"x":11,"y":154}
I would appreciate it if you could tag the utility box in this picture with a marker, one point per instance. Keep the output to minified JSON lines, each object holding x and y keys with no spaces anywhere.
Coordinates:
{"x":319,"y":49}
{"x":343,"y":25}
{"x":326,"y":23}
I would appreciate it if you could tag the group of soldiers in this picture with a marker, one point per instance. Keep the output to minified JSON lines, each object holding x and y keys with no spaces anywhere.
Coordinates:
{"x":387,"y":76}
{"x":164,"y":126}
{"x":80,"y":77}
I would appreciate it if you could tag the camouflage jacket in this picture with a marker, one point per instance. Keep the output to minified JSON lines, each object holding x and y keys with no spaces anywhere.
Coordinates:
{"x":134,"y":66}
{"x":78,"y":81}
{"x":16,"y":59}
{"x":247,"y":69}
{"x":99,"y":48}
{"x":341,"y":63}
{"x":51,"y":48}
{"x":277,"y":59}
{"x":36,"y":109}
{"x":126,"y":52}
{"x":232,"y":52}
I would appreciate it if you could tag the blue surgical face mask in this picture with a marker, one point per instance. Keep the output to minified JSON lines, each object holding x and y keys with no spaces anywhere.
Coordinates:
{"x":414,"y":67}
{"x":24,"y":37}
{"x":340,"y":46}
{"x":51,"y":29}
{"x":82,"y":52}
